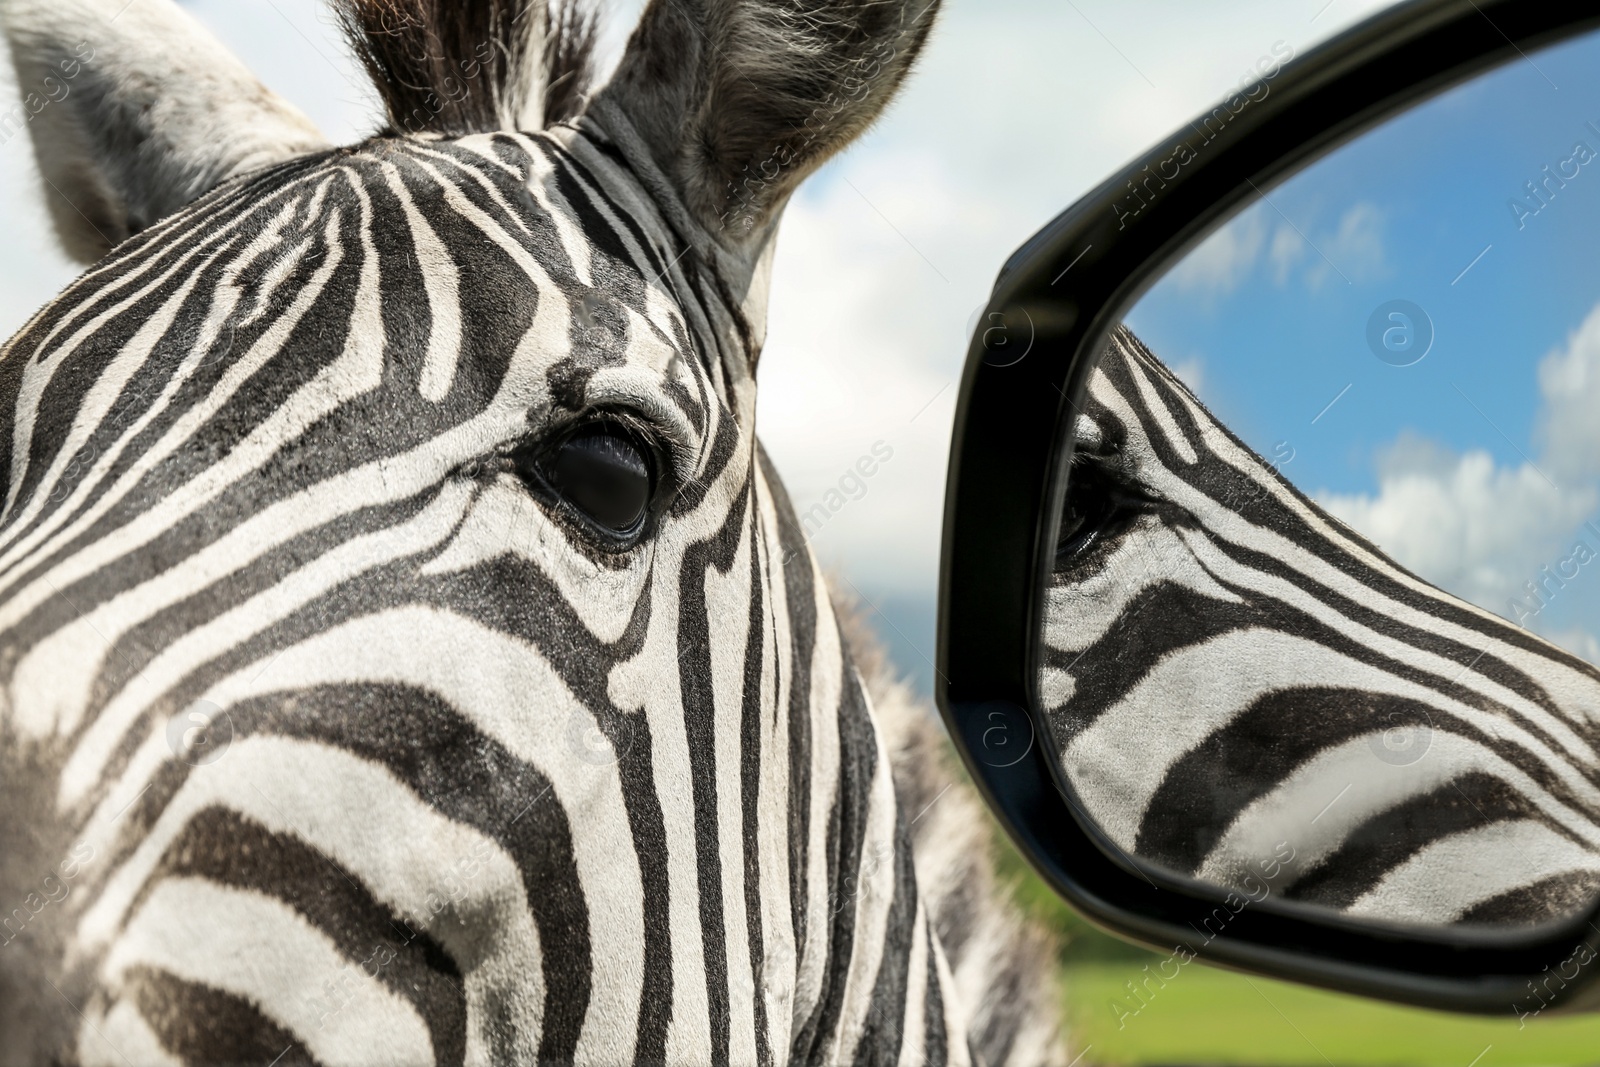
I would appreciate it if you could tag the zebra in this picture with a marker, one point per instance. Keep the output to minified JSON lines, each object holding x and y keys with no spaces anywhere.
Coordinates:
{"x":408,"y":654}
{"x":1242,"y":689}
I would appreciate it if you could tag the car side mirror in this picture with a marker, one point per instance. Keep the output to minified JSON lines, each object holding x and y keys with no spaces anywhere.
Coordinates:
{"x":1225,"y":705}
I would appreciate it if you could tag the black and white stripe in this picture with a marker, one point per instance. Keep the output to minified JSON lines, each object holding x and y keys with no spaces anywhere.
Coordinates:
{"x":478,"y":786}
{"x":609,"y":814}
{"x":1235,"y":675}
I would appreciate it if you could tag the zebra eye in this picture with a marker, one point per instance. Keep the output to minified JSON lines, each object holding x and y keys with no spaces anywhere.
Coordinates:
{"x":605,"y":473}
{"x":1095,"y":505}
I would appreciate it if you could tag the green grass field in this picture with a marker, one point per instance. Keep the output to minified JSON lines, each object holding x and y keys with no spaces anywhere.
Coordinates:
{"x":1209,"y":1016}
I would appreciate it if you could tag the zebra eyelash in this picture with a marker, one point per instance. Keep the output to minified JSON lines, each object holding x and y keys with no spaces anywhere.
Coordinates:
{"x":1102,"y":501}
{"x":1111,"y":463}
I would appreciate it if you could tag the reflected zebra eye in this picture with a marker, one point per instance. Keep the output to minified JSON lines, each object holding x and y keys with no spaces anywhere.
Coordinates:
{"x":1096,"y":504}
{"x":605,"y":473}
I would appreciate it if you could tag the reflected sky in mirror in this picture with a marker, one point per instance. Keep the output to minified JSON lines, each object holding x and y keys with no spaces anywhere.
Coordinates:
{"x":1464,"y":434}
{"x":1409,"y":333}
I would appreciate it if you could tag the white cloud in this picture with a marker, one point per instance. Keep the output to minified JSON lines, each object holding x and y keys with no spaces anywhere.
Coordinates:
{"x":1578,"y":642}
{"x":1463,"y":522}
{"x":1191,"y":372}
{"x":295,"y":47}
{"x":1485,"y":531}
{"x":1353,"y":249}
{"x":1569,"y":381}
{"x":1224,"y":259}
{"x":1288,"y":249}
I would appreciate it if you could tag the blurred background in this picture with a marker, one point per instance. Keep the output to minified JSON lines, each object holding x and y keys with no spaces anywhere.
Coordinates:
{"x":885,"y":259}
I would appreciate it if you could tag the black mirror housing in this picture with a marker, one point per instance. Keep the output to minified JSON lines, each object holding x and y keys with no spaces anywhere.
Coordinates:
{"x":1054,"y":303}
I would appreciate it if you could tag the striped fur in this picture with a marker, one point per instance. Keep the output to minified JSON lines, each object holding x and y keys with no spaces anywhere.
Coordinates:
{"x":478,"y":785}
{"x":1002,"y":966}
{"x":1245,"y":690}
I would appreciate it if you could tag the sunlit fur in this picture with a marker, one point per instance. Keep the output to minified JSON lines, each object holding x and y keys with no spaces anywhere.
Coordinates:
{"x":481,"y":784}
{"x":1236,"y":677}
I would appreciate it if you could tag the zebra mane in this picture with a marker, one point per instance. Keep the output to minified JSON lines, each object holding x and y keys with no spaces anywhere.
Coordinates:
{"x":474,"y":66}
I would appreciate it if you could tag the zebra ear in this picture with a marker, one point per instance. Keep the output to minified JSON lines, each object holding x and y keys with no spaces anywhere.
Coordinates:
{"x":739,"y":100}
{"x":135,"y":111}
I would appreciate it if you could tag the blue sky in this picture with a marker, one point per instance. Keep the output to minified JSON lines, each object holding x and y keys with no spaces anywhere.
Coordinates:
{"x":1418,"y":200}
{"x":1472,"y":466}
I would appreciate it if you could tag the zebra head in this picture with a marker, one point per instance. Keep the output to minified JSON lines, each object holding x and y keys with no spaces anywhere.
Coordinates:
{"x":1245,"y":690}
{"x":407,"y":655}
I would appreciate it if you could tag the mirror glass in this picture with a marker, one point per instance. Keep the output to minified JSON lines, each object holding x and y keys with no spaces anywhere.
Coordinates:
{"x":1323,"y":616}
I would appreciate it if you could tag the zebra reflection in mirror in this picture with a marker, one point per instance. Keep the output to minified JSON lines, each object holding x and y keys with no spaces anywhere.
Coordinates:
{"x":408,"y":656}
{"x":1234,"y":677}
